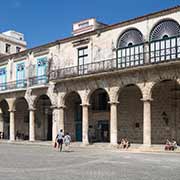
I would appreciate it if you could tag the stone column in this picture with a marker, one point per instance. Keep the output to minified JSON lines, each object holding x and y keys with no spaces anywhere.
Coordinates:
{"x":85,"y":124}
{"x":1,"y":123}
{"x":11,"y":102}
{"x":31,"y":125}
{"x":12,"y":125}
{"x":113,"y":123}
{"x":147,"y":122}
{"x":58,"y":120}
{"x":59,"y":115}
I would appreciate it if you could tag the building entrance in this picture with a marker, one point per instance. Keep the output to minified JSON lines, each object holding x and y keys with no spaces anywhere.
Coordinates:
{"x":103,"y":131}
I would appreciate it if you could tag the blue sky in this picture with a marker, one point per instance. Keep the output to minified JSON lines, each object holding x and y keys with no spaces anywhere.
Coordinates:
{"x":44,"y":21}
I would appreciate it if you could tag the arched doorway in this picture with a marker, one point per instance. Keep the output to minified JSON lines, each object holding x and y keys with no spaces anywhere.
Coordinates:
{"x":130,"y":114}
{"x":99,"y":117}
{"x":73,"y":116}
{"x":43,"y":118}
{"x":4,"y":119}
{"x":21,"y":119}
{"x":165,"y":112}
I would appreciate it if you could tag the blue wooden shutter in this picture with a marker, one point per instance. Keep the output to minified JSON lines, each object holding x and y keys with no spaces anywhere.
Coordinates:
{"x":41,"y":70}
{"x":2,"y":78}
{"x":20,"y":74}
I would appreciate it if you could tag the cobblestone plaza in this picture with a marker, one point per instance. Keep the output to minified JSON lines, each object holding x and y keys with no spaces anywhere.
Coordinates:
{"x":20,"y":162}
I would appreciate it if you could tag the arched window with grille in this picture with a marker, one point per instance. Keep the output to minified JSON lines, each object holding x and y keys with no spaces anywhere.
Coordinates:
{"x":165,"y":41}
{"x":130,"y":49}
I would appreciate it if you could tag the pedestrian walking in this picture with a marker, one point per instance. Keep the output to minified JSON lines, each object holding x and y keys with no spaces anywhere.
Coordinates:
{"x":59,"y":139}
{"x":67,"y":141}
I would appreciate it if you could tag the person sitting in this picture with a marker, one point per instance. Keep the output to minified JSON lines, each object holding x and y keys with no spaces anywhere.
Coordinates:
{"x":122,"y":143}
{"x":127,"y":144}
{"x":174,"y":145}
{"x":167,"y":145}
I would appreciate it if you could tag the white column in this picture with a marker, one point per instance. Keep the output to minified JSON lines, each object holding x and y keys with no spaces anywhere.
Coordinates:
{"x":31,"y":125}
{"x":61,"y":117}
{"x":1,"y":123}
{"x":85,"y":124}
{"x":12,"y":126}
{"x":113,"y":123}
{"x":147,"y":122}
{"x":55,"y":121}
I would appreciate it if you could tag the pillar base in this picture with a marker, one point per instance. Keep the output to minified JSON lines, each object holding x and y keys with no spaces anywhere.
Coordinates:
{"x":114,"y":145}
{"x":146,"y":146}
{"x":85,"y":144}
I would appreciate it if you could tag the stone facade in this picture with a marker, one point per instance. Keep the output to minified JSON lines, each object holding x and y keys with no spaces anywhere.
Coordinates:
{"x":127,"y":85}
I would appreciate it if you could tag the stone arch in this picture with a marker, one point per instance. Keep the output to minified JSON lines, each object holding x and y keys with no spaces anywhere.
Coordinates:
{"x":21,"y":115}
{"x":43,"y":118}
{"x":130,"y":113}
{"x":36,"y":98}
{"x":157,"y":81}
{"x":73,"y":115}
{"x":165,"y":27}
{"x":130,"y":35}
{"x":165,"y":111}
{"x":99,"y":115}
{"x":5,"y":120}
{"x":65,"y":95}
{"x":128,"y":85}
{"x":91,"y":91}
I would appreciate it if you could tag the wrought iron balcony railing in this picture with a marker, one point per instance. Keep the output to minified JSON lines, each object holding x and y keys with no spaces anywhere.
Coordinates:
{"x":91,"y":68}
{"x":13,"y":85}
{"x":38,"y":80}
{"x":159,"y":51}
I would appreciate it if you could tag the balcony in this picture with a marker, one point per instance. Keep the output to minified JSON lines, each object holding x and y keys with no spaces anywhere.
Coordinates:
{"x":38,"y":80}
{"x":165,"y":50}
{"x":20,"y":84}
{"x":158,"y":51}
{"x":23,"y":84}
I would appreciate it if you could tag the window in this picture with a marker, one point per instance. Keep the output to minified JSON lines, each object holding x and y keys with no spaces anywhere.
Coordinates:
{"x":82,"y":60}
{"x":20,"y":74}
{"x":41,"y":70}
{"x":18,"y":49}
{"x":8,"y":47}
{"x":2,"y":78}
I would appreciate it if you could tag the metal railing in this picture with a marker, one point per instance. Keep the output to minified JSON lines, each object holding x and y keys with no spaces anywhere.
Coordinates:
{"x":130,"y":56}
{"x":166,"y":49}
{"x":90,"y":68}
{"x":13,"y":85}
{"x":159,"y":51}
{"x":24,"y":83}
{"x":38,"y":80}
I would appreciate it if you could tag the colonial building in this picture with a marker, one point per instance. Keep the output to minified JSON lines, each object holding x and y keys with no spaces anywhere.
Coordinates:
{"x":11,"y":42}
{"x":104,"y":83}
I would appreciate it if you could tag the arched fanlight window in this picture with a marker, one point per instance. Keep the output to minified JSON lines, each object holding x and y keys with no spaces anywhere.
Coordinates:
{"x":130,"y":51}
{"x":165,"y":29}
{"x":129,"y":38}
